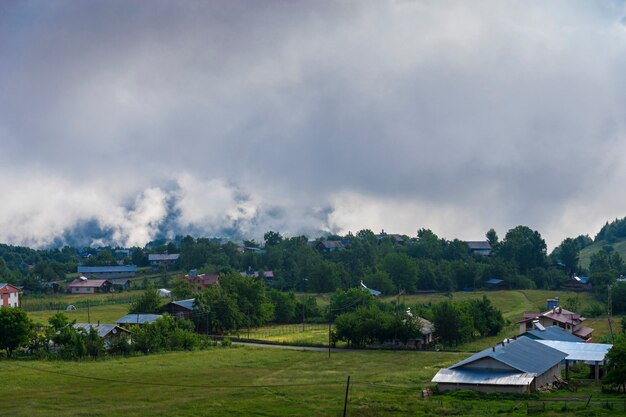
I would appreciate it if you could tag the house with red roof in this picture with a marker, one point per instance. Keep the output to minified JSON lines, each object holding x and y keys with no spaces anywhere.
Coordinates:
{"x":9,"y":295}
{"x":567,"y":320}
{"x":83,"y":285}
{"x":200,"y":281}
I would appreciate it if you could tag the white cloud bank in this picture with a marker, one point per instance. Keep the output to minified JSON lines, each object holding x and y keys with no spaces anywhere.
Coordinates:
{"x":235,"y":118}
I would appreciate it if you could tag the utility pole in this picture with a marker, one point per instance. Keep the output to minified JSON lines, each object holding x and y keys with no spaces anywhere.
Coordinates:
{"x":610,"y":312}
{"x":345,"y":402}
{"x":88,"y":313}
{"x":303,"y":315}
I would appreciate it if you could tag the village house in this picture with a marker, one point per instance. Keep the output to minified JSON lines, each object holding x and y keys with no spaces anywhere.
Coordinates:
{"x":109,"y":333}
{"x":121,"y":284}
{"x":327,"y":246}
{"x":200,"y":281}
{"x":108,"y":272}
{"x":268,"y":276}
{"x":557,"y":316}
{"x":83,"y":285}
{"x":181,"y":308}
{"x":427,"y":329}
{"x":520,"y":365}
{"x":538,"y":332}
{"x":577,"y":284}
{"x":479,"y":247}
{"x":9,"y":295}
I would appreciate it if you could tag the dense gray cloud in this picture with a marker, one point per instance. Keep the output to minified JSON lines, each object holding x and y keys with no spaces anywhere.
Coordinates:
{"x":232,"y":118}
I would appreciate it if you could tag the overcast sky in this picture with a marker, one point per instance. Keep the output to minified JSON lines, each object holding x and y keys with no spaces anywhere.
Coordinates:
{"x":232,"y":118}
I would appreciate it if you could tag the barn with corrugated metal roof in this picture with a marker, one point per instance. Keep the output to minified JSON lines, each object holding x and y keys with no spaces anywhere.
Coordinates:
{"x":517,"y":365}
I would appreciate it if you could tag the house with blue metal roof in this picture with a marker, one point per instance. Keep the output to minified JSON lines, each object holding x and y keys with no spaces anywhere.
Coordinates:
{"x":550,"y":333}
{"x":181,"y":308}
{"x":516,"y":365}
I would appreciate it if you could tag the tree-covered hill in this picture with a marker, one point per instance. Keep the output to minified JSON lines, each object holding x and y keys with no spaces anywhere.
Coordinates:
{"x":611,"y":237}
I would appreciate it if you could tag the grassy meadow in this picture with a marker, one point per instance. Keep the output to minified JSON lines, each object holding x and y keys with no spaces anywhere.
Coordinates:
{"x":252,"y":381}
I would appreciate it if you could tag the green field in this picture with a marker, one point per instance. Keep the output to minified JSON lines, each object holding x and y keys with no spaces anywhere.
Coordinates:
{"x":279,"y":382}
{"x":251,"y":381}
{"x":103,"y":314}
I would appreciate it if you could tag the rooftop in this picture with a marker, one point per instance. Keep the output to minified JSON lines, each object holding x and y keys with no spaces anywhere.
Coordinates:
{"x":102,"y":329}
{"x":139,"y":318}
{"x":553,"y":333}
{"x":523,"y":354}
{"x":88,"y":283}
{"x":580,"y":351}
{"x":96,"y":269}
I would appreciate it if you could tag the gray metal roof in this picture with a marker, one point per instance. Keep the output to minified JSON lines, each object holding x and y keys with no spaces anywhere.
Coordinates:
{"x":139,"y":318}
{"x":188,"y":304}
{"x":163,"y":257}
{"x":523,"y":354}
{"x":102,"y":329}
{"x":580,"y":351}
{"x":552,"y":333}
{"x":96,"y":269}
{"x":483,"y":377}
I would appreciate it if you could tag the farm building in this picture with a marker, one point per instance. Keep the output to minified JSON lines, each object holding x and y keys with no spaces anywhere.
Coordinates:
{"x":557,"y":316}
{"x":83,"y":285}
{"x":121,"y":284}
{"x":108,"y":272}
{"x":165,"y":260}
{"x":517,"y":366}
{"x":138,"y":319}
{"x":9,"y":295}
{"x":109,"y":333}
{"x":181,"y":308}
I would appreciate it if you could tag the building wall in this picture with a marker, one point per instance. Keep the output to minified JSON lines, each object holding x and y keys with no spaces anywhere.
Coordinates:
{"x":83,"y":290}
{"x":109,"y":275}
{"x":11,"y":299}
{"x":517,"y":389}
{"x":548,"y":377}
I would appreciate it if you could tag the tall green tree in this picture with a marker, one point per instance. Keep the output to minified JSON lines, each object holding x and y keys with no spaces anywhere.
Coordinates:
{"x":568,"y":253}
{"x":15,"y":329}
{"x":525,"y":247}
{"x":148,"y":303}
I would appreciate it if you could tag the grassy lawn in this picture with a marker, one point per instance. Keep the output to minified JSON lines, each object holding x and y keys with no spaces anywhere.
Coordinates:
{"x":250,"y":381}
{"x":103,"y":314}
